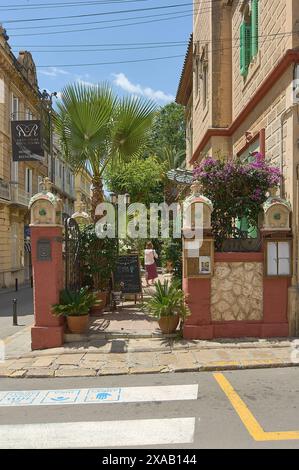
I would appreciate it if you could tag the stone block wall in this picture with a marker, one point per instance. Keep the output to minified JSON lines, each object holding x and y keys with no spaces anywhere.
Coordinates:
{"x":237,"y":292}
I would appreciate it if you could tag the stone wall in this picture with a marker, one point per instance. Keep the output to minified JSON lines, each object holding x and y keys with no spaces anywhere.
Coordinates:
{"x":274,"y":40}
{"x":237,"y":291}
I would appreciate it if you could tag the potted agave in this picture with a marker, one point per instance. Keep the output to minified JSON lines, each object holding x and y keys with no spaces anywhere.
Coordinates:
{"x":168,"y":306}
{"x":75,"y":306}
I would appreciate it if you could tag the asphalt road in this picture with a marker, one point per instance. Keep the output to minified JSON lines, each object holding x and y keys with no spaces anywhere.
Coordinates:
{"x":24,"y":308}
{"x":214,"y":417}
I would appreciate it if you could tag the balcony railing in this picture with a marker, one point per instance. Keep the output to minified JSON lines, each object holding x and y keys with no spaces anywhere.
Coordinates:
{"x":4,"y":190}
{"x":20,"y":197}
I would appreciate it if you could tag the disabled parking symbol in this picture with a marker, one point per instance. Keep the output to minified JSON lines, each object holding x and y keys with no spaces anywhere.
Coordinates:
{"x":103,"y":395}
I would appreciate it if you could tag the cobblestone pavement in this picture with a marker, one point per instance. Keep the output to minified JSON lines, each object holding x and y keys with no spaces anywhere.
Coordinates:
{"x":151,"y":355}
{"x":128,"y":342}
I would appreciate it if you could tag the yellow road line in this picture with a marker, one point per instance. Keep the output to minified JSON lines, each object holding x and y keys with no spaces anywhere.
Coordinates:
{"x":247,"y":418}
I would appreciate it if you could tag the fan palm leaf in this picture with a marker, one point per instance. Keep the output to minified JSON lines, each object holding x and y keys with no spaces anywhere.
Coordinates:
{"x":95,"y":126}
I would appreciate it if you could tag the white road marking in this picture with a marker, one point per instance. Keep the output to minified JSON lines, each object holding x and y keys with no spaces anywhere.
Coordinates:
{"x":97,"y":434}
{"x":87,"y":396}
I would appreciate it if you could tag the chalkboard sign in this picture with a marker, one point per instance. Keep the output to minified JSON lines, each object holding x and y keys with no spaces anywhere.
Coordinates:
{"x":128,"y":272}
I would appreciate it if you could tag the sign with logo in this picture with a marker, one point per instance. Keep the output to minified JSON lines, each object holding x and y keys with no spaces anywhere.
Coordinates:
{"x":26,"y":141}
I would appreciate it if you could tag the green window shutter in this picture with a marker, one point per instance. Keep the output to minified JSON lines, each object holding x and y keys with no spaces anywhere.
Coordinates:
{"x":243,"y":225}
{"x":254,"y":27}
{"x":245,"y":48}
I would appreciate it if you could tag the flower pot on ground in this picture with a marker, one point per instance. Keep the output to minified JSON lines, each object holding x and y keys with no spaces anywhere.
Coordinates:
{"x":98,"y":306}
{"x":168,"y":306}
{"x":77,"y":324}
{"x":75,"y":306}
{"x":169,"y":266}
{"x":169,"y":325}
{"x":103,"y":296}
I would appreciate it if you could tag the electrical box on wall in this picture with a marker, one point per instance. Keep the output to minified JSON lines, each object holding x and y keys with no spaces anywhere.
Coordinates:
{"x":278,"y":258}
{"x":44,"y":250}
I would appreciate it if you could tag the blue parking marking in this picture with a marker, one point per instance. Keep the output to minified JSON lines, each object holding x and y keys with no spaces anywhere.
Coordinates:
{"x":103,"y":395}
{"x":54,"y":397}
{"x":19,"y":398}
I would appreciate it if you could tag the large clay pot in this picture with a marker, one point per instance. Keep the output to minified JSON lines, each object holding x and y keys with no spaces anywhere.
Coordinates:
{"x":169,"y":266}
{"x":168,"y":325}
{"x":77,"y":323}
{"x":103,"y":296}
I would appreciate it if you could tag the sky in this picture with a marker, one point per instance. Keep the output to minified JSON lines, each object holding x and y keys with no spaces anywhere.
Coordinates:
{"x":64,"y":48}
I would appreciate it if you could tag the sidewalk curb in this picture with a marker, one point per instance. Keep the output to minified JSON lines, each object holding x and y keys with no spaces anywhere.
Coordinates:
{"x":209,"y":367}
{"x":10,"y":290}
{"x":50,"y":352}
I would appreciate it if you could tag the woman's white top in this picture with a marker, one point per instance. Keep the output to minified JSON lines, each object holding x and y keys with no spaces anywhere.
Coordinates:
{"x":149,"y":256}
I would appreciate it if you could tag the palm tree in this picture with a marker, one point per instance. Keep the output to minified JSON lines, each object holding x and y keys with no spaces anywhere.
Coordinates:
{"x":96,"y":126}
{"x":172,"y":159}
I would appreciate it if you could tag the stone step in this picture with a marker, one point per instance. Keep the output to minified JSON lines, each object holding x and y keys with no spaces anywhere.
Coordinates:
{"x":85,"y":337}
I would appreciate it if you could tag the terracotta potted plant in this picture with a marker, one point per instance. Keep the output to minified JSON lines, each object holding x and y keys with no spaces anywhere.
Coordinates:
{"x":98,"y":258}
{"x":75,"y":306}
{"x":168,"y":306}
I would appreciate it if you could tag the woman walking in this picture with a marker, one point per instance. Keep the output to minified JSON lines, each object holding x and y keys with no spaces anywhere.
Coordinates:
{"x":150,"y":256}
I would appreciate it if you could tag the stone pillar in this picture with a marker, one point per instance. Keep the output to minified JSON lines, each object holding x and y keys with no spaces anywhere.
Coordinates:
{"x":48,"y":331}
{"x":198,"y":261}
{"x":80,"y":215}
{"x":278,"y":294}
{"x":47,"y":263}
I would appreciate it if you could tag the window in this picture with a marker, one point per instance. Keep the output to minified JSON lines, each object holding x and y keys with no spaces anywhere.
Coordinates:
{"x":28,"y":181}
{"x":63,"y":177}
{"x":39,"y":183}
{"x":254,"y":27}
{"x":14,"y":172}
{"x":28,"y":114}
{"x":14,"y":108}
{"x":189,"y":137}
{"x":205,"y":83}
{"x":197,"y":77}
{"x":15,"y":260}
{"x":249,"y":35}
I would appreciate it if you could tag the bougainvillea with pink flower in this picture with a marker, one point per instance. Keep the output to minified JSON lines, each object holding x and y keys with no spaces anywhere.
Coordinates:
{"x":237,"y":190}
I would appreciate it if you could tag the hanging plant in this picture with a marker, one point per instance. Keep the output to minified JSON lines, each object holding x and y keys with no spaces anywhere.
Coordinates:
{"x":236,"y":189}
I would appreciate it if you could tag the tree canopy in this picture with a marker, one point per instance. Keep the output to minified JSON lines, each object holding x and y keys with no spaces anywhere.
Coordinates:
{"x":168,"y":129}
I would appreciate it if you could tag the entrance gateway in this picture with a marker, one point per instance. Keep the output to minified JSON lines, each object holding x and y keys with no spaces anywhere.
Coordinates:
{"x":243,"y":294}
{"x":240,"y":294}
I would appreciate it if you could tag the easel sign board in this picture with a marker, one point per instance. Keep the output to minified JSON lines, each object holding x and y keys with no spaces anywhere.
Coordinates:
{"x":128,"y":272}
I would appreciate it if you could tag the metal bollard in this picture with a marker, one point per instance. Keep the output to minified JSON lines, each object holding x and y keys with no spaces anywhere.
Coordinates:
{"x":17,"y":284}
{"x":14,"y":312}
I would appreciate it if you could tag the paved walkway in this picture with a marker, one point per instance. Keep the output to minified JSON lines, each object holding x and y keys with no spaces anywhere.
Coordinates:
{"x":24,"y":298}
{"x":149,"y":355}
{"x":128,"y":342}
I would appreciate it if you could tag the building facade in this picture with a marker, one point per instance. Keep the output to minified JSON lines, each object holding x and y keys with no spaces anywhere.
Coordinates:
{"x":83,"y":181}
{"x":63,"y":179}
{"x":241,"y":92}
{"x":21,"y":99}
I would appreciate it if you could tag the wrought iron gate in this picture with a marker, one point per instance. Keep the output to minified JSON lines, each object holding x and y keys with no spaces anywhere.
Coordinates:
{"x":72,"y":254}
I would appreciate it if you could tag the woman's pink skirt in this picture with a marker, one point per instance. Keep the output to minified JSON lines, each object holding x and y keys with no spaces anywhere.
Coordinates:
{"x":151,"y":270}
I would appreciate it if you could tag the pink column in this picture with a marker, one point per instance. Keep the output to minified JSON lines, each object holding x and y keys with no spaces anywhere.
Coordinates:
{"x":48,"y":331}
{"x":198,"y":325}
